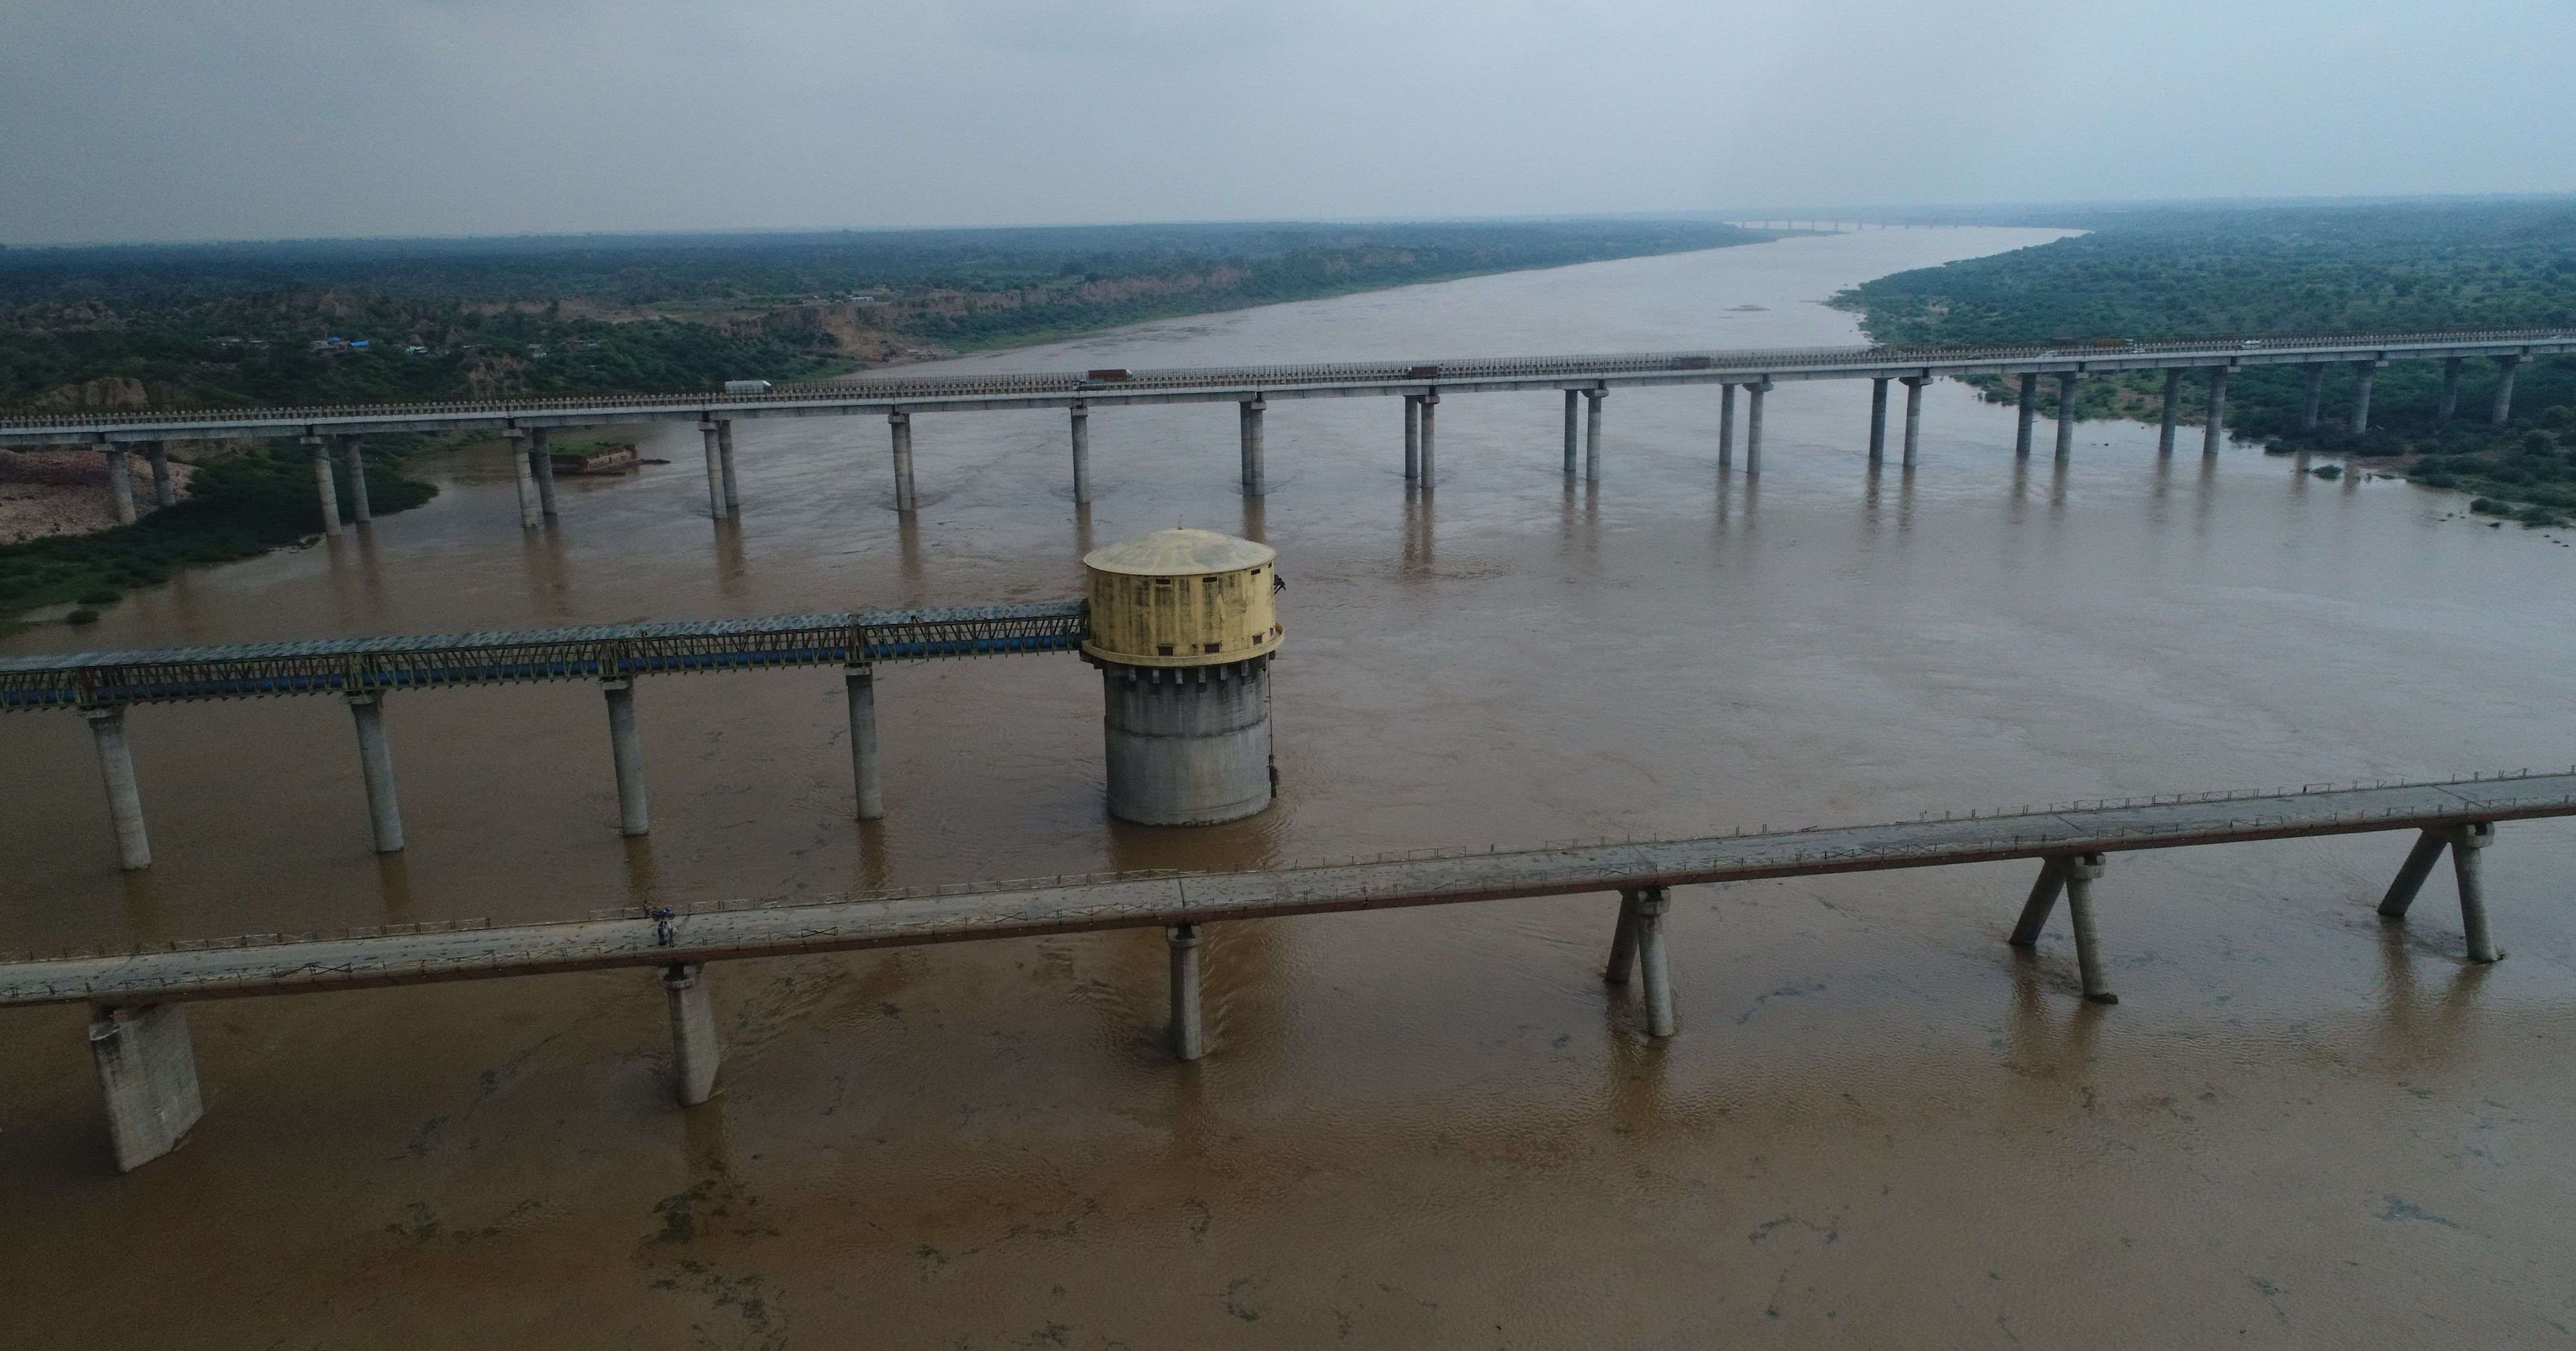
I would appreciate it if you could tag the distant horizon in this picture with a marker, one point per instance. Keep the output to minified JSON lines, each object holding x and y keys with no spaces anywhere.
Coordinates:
{"x":1960,"y":215}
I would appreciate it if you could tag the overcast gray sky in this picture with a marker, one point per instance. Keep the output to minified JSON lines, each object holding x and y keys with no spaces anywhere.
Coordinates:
{"x":195,"y":119}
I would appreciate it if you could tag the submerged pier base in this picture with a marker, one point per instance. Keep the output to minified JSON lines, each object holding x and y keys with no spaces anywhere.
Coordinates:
{"x":694,"y":1052}
{"x":147,"y":1069}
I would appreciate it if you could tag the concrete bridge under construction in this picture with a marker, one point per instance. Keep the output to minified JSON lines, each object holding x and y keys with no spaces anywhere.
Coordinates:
{"x":1584,"y":381}
{"x":146,"y":1062}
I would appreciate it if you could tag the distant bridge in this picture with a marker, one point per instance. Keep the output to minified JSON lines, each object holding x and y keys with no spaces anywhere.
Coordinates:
{"x":139,"y":1033}
{"x":1584,"y":380}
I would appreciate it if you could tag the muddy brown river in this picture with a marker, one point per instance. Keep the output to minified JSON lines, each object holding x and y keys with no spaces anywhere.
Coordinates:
{"x":1879,"y":1126}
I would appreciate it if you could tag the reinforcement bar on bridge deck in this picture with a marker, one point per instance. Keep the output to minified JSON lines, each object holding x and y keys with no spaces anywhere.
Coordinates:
{"x":607,"y":651}
{"x":1317,"y":380}
{"x":1013,"y":910}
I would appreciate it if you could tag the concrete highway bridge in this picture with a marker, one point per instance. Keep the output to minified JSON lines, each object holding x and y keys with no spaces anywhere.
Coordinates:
{"x":1585,"y":381}
{"x":100,"y":685}
{"x":146,"y":1062}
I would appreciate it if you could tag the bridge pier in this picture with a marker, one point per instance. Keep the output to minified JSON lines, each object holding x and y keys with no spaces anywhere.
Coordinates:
{"x":1430,"y":441}
{"x":2169,"y":415}
{"x":2026,"y":408}
{"x":2365,"y":374}
{"x":626,"y":752}
{"x":2467,"y":843}
{"x":2213,"y":432}
{"x":1914,"y":414}
{"x":2502,"y":414}
{"x":1623,"y":940}
{"x":2450,"y":405}
{"x":2312,"y":393}
{"x":715,"y":471}
{"x":2044,"y":891}
{"x":861,"y":680}
{"x":2066,"y":382}
{"x":1725,"y":431}
{"x":1592,"y":401}
{"x":1652,"y":962}
{"x":322,"y":484}
{"x":724,"y":465}
{"x":1877,"y":418}
{"x":120,"y":484}
{"x":2081,"y":871}
{"x":147,"y":1072}
{"x":531,"y":511}
{"x":1081,"y":420}
{"x":900,"y":424}
{"x":1413,"y":438}
{"x":2410,"y":875}
{"x":350,"y":456}
{"x":1753,"y":427}
{"x":1573,"y":432}
{"x":541,"y":465}
{"x":376,"y":764}
{"x":1189,"y":1037}
{"x":694,"y":1051}
{"x":124,"y":796}
{"x":165,"y":493}
{"x":1254,"y":478}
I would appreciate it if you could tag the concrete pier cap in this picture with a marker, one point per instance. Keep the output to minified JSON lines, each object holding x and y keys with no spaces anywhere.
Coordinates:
{"x":1183,"y":627}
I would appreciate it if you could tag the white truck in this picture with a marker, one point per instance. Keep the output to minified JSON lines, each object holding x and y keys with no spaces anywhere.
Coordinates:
{"x":746,"y":387}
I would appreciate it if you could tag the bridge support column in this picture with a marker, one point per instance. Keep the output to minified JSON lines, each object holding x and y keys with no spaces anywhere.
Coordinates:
{"x":124,"y":796}
{"x":626,"y":751}
{"x":1914,"y":415}
{"x":2410,"y":876}
{"x":2467,"y":843}
{"x":1430,"y":439}
{"x":1412,"y":438}
{"x":1573,"y":433}
{"x":715,"y":472}
{"x":2502,"y":414}
{"x":2066,"y":383}
{"x":2082,"y":871}
{"x":862,"y":683}
{"x":1592,"y":401}
{"x":1753,"y":427}
{"x":147,"y":1070}
{"x":531,"y":510}
{"x":360,"y":512}
{"x":2026,"y":409}
{"x":2450,"y":405}
{"x":2365,"y":374}
{"x":376,"y":764}
{"x":1081,"y":421}
{"x":541,"y":465}
{"x":724,"y":466}
{"x":2213,"y":431}
{"x":1652,"y":962}
{"x":1877,"y":418}
{"x":2035,"y":911}
{"x":1255,"y":478}
{"x":1189,"y":1038}
{"x":2170,"y":415}
{"x":904,"y":498}
{"x":1725,"y":431}
{"x":2312,"y":393}
{"x":165,"y":493}
{"x":120,"y":484}
{"x":323,"y":486}
{"x":694,"y":1052}
{"x":1623,"y":940}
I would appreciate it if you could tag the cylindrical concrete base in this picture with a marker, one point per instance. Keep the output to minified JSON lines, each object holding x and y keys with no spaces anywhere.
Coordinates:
{"x":1081,"y":455}
{"x":352,"y":456}
{"x":694,"y":1052}
{"x":626,"y":750}
{"x":1189,"y":1036}
{"x":724,"y":470}
{"x":862,"y":685}
{"x":376,"y":764}
{"x":1188,"y":746}
{"x":124,"y":795}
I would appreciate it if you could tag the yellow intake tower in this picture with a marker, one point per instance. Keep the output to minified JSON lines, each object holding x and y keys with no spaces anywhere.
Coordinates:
{"x":1182,"y":627}
{"x":1182,"y":598}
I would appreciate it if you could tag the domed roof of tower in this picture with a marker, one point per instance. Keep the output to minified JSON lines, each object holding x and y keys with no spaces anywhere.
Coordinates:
{"x":1179,"y":553}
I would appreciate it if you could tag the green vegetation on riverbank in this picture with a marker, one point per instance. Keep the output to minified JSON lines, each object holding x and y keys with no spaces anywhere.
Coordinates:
{"x":2170,"y":272}
{"x":239,"y":506}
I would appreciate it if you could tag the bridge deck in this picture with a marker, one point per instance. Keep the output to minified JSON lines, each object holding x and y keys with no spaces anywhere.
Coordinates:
{"x":91,"y":679}
{"x":742,"y":930}
{"x":1315,"y":380}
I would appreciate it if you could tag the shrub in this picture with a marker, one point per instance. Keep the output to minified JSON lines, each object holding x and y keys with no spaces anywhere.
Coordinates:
{"x":83,"y":615}
{"x":2487,"y":506}
{"x":2328,"y":471}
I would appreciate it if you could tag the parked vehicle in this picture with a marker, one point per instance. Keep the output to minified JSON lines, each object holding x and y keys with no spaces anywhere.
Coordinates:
{"x":747,"y":387}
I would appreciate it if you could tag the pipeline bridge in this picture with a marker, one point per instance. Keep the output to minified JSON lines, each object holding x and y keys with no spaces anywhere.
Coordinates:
{"x":146,"y":1062}
{"x":1585,"y":381}
{"x":100,"y":685}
